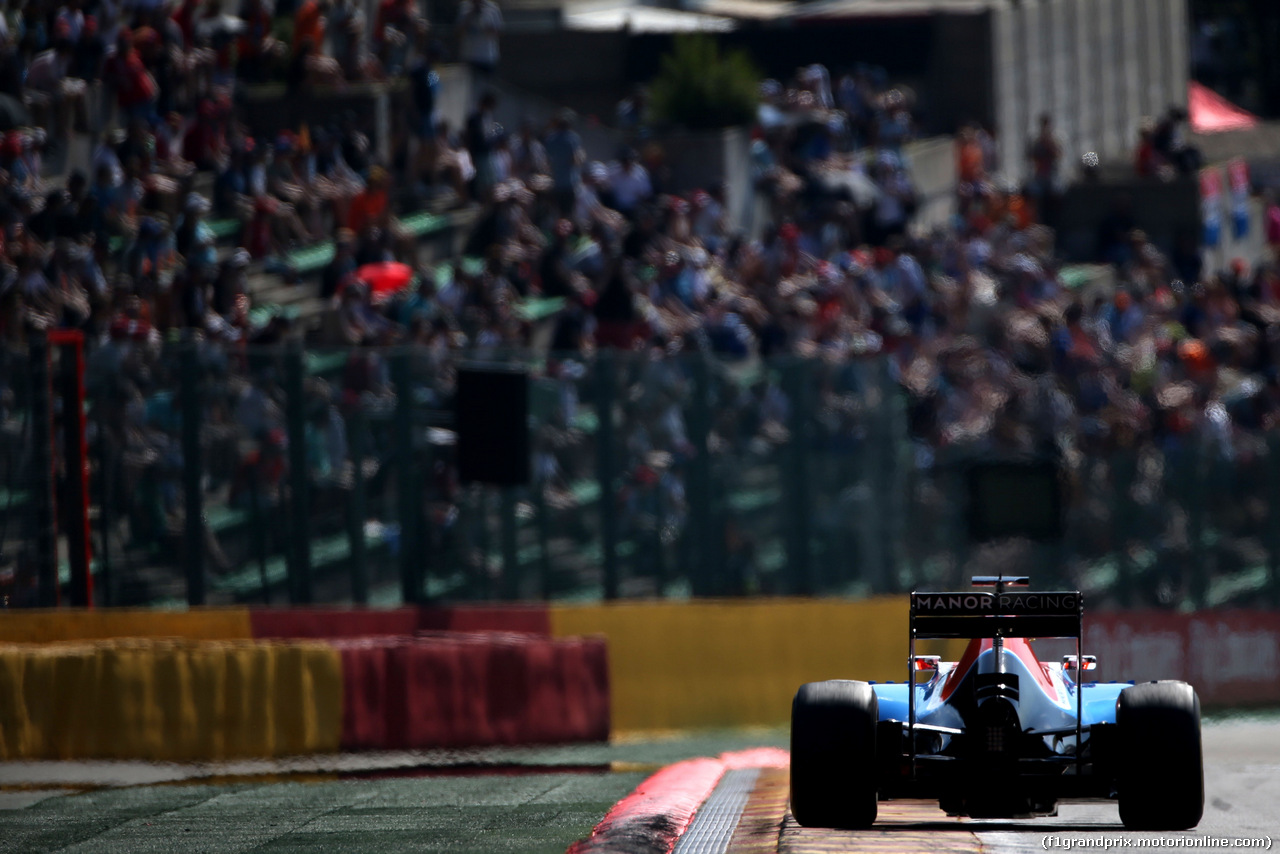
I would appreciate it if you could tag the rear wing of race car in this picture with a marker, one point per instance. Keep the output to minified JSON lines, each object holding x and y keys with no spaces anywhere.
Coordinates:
{"x":998,"y":615}
{"x":977,"y":614}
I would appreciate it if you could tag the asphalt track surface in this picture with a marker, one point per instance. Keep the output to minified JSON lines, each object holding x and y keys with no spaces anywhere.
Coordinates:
{"x":1242,"y":799}
{"x":539,"y":800}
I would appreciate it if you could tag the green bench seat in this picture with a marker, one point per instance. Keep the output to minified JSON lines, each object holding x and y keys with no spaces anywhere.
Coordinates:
{"x":311,"y":259}
{"x":12,"y":499}
{"x":325,"y":364}
{"x":535,"y":309}
{"x":424,"y":223}
{"x":758,"y":499}
{"x":1245,"y":584}
{"x":222,"y":518}
{"x":585,"y":491}
{"x":224,"y":229}
{"x":326,"y":552}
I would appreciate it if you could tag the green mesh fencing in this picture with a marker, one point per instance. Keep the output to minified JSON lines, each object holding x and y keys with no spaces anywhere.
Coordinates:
{"x":329,"y":476}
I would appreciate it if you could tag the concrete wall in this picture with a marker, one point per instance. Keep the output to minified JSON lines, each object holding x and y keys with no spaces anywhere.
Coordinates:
{"x":1096,"y":66}
{"x":933,"y":168}
{"x":698,"y":160}
{"x":456,"y":98}
{"x":270,"y":109}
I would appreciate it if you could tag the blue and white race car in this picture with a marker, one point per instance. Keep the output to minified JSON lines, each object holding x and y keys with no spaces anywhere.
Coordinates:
{"x":998,"y":734}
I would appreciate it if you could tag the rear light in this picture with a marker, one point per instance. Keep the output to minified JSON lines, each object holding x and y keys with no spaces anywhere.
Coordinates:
{"x":1087,"y":662}
{"x":926,"y":662}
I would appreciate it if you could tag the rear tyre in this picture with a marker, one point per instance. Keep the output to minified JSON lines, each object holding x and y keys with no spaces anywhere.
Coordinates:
{"x":1161,"y":775}
{"x":833,"y":754}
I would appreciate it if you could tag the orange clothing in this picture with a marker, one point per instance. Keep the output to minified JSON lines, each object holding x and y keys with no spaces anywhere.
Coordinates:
{"x":1022,"y":210}
{"x":971,"y":167}
{"x":308,"y":24}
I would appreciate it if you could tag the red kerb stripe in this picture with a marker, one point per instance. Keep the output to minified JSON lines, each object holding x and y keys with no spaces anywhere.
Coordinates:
{"x":652,"y":818}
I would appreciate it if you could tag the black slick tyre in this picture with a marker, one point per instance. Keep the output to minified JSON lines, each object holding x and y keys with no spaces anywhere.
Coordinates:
{"x":833,"y":754}
{"x":1160,"y":779}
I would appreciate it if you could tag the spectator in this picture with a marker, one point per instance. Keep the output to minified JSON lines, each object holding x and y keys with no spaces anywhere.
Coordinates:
{"x":309,"y":24}
{"x":399,"y":28}
{"x":897,"y":199}
{"x":346,"y":35}
{"x":565,"y":157}
{"x":370,"y":209}
{"x":89,"y":53}
{"x":135,"y":87}
{"x":257,"y":49}
{"x":58,"y":98}
{"x":1170,"y":143}
{"x":1273,"y":225}
{"x":425,"y":87}
{"x":483,"y":132}
{"x":479,"y":24}
{"x":1045,"y":153}
{"x":992,"y":351}
{"x":339,"y":271}
{"x":309,"y":68}
{"x":633,"y":110}
{"x":629,"y":185}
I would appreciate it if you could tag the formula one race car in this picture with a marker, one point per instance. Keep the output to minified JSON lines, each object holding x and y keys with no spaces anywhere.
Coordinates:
{"x":998,"y":734}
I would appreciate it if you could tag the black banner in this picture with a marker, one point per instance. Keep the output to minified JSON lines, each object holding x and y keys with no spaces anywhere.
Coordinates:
{"x":1061,"y":603}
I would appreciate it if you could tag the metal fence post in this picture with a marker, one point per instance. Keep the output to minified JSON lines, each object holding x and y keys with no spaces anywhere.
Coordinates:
{"x":299,"y":477}
{"x":1124,"y":469}
{"x":1273,"y":515}
{"x":106,"y":479}
{"x":892,"y":425}
{"x":510,"y":550}
{"x":1193,"y":495}
{"x":953,"y":485}
{"x":42,"y":479}
{"x":606,"y":468}
{"x":356,"y":510}
{"x":796,"y":480}
{"x":483,"y":588}
{"x":408,"y":489}
{"x":192,"y":470}
{"x":258,"y":533}
{"x":701,"y":576}
{"x":544,"y":539}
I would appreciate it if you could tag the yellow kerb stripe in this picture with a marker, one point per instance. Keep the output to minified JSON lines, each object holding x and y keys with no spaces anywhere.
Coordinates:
{"x":65,"y":624}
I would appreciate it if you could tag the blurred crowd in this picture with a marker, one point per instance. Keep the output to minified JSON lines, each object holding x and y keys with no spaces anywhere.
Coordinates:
{"x":997,"y":350}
